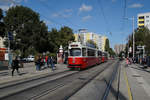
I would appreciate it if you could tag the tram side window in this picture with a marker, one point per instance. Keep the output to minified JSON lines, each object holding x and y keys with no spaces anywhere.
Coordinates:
{"x":75,"y":52}
{"x":91,"y":52}
{"x":103,"y":54}
{"x":99,"y":53}
{"x":83,"y":52}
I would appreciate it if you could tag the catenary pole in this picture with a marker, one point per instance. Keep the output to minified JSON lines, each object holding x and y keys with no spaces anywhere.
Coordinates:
{"x":133,"y":37}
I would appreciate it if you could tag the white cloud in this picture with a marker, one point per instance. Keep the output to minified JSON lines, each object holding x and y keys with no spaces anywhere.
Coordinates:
{"x":55,"y":15}
{"x":85,"y":8}
{"x":48,"y":22}
{"x":5,"y":4}
{"x":113,"y":0}
{"x":136,"y":5}
{"x":85,"y":18}
{"x":68,"y":10}
{"x":65,"y":13}
{"x":11,"y":1}
{"x":5,"y":7}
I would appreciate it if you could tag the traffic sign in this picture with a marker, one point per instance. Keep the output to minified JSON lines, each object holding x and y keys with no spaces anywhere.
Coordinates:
{"x":130,"y":49}
{"x":10,"y":36}
{"x":140,"y":47}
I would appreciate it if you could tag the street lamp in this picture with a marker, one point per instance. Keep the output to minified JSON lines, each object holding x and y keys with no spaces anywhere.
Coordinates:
{"x":133,"y":33}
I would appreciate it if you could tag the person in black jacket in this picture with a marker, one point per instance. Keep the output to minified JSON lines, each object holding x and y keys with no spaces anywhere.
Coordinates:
{"x":15,"y":65}
{"x":38,"y":63}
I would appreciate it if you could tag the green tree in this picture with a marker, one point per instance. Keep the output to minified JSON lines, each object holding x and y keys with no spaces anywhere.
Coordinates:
{"x":2,"y":25}
{"x":142,"y":36}
{"x":121,"y":54}
{"x":107,"y":47}
{"x":66,"y":35}
{"x":111,"y":52}
{"x":40,"y":38}
{"x":61,"y":37}
{"x":1,"y":14}
{"x":54,"y":40}
{"x":28,"y":31}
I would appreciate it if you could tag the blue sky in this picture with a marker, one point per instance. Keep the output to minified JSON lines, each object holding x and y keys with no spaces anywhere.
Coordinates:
{"x":100,"y":16}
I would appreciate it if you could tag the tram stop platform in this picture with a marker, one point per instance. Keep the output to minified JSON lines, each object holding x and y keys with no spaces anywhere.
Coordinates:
{"x":28,"y":72}
{"x":134,"y":82}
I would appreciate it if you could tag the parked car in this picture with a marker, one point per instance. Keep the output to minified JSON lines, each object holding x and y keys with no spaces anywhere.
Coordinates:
{"x":30,"y":59}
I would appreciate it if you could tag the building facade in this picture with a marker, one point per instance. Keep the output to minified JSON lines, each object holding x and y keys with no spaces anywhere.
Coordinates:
{"x":83,"y":37}
{"x":103,"y":39}
{"x":119,"y":47}
{"x":144,"y":20}
{"x":2,"y":42}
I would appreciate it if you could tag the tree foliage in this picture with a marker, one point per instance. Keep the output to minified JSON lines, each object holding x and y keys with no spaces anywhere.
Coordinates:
{"x":142,"y":37}
{"x":111,"y":52}
{"x":27,"y":29}
{"x":60,"y":37}
{"x":1,"y":14}
{"x":2,"y":25}
{"x":107,"y":47}
{"x":31,"y":35}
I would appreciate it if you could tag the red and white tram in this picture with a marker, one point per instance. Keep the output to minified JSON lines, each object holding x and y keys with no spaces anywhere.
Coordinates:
{"x":81,"y":56}
{"x":104,"y":57}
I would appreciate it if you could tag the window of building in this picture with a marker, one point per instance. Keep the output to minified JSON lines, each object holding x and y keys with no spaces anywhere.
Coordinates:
{"x":141,"y":26}
{"x":141,"y":17}
{"x":147,"y":20}
{"x":147,"y":16}
{"x":99,"y":53}
{"x":141,"y":22}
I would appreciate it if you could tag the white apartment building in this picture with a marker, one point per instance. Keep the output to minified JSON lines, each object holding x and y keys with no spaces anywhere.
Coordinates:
{"x":2,"y":42}
{"x":84,"y":36}
{"x":144,"y":20}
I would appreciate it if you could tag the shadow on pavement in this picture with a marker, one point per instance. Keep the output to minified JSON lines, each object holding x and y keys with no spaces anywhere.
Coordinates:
{"x":141,"y":68}
{"x":23,"y":73}
{"x":118,"y":95}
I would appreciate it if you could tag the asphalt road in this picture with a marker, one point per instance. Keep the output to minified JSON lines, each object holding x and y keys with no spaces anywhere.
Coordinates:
{"x":72,"y":85}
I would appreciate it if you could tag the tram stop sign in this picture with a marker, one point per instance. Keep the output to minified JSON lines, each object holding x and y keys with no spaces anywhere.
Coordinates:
{"x":130,"y":49}
{"x":140,"y":47}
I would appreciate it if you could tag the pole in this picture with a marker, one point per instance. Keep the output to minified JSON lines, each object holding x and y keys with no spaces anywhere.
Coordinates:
{"x":133,"y":38}
{"x":143,"y":51}
{"x":9,"y":56}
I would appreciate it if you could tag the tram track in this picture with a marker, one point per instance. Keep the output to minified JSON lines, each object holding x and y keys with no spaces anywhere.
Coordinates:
{"x":40,"y":90}
{"x":9,"y":90}
{"x":114,"y":73}
{"x":22,"y":81}
{"x":91,"y":79}
{"x":3,"y":73}
{"x":98,"y":87}
{"x":82,"y":81}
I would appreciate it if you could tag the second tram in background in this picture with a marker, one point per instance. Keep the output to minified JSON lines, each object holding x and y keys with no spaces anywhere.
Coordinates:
{"x":82,"y":56}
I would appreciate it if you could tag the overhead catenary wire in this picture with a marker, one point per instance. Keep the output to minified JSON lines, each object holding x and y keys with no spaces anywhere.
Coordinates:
{"x":51,"y":9}
{"x":49,"y":19}
{"x":105,"y":19}
{"x":53,"y":21}
{"x":124,"y":15}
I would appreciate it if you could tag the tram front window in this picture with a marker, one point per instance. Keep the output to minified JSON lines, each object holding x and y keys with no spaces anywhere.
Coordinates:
{"x":75,"y":52}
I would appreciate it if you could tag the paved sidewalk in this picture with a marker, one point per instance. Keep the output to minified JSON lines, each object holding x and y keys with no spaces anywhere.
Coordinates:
{"x":28,"y":71}
{"x":134,"y":82}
